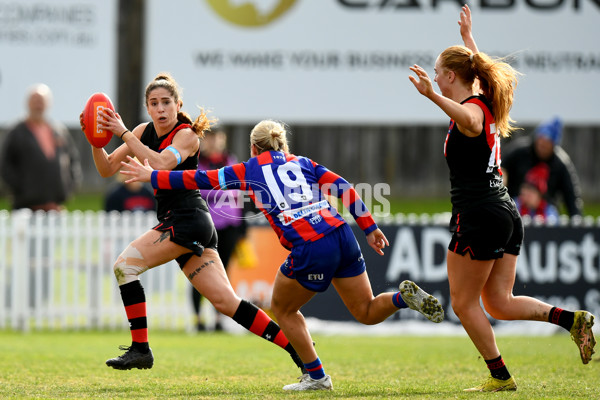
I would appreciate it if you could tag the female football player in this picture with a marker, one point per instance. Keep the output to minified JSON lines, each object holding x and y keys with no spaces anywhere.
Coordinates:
{"x":185,"y":231}
{"x":477,"y":94}
{"x":291,"y":192}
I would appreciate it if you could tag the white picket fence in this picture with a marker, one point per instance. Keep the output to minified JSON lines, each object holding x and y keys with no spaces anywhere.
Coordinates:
{"x":56,"y":272}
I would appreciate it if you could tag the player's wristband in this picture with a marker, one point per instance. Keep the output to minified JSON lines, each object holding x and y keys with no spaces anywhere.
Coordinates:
{"x":176,"y":152}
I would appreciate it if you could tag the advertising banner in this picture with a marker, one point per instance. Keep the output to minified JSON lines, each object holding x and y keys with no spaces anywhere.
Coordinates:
{"x":558,"y":265}
{"x":347,"y":61}
{"x":70,"y":45}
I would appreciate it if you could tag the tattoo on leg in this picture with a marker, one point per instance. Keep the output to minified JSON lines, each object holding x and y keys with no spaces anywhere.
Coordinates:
{"x":163,"y":236}
{"x":200,"y":268}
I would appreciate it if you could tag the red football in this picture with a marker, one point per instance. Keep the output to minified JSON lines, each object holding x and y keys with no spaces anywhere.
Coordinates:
{"x":96,"y":136}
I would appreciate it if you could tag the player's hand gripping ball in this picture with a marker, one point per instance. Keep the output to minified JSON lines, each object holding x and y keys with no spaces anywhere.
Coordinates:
{"x":96,"y":136}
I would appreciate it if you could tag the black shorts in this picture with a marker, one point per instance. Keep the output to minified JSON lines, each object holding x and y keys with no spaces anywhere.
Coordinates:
{"x":190,"y":228}
{"x":487,"y":231}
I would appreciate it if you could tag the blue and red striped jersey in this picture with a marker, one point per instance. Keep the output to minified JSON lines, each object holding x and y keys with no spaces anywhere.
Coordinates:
{"x":290,"y":191}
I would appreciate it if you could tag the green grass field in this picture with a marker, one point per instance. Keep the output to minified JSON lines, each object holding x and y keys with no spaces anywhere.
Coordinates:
{"x":224,"y":366}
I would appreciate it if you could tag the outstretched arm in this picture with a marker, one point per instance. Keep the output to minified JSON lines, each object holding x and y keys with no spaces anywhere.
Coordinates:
{"x":466,"y":31}
{"x":332,"y":184}
{"x":469,"y":117}
{"x":230,"y":177}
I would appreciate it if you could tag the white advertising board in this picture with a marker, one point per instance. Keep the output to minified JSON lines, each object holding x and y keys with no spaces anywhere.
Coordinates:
{"x":70,"y":45}
{"x":346,"y":61}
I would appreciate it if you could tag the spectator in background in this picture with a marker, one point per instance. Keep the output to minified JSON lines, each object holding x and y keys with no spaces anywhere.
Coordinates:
{"x":530,"y":201}
{"x":225,"y":208}
{"x":133,"y":196}
{"x":543,"y":150}
{"x":39,"y":161}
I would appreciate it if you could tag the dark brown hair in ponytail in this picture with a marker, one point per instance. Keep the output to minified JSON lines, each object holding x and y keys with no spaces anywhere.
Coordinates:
{"x":164,"y":80}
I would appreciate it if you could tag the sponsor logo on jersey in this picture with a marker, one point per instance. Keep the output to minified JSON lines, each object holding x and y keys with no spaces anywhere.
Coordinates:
{"x":316,"y":219}
{"x":288,"y":216}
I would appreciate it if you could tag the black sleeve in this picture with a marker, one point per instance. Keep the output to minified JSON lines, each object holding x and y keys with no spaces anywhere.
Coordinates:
{"x":9,"y":162}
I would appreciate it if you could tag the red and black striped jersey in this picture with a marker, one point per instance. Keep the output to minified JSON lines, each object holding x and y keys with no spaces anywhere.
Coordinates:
{"x":167,"y":200}
{"x":289,"y":190}
{"x":474,"y":162}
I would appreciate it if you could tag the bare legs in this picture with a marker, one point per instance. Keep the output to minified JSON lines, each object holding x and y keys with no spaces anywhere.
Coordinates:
{"x":289,"y":296}
{"x":493,"y":281}
{"x":209,"y":278}
{"x":357,"y":295}
{"x":207,"y":275}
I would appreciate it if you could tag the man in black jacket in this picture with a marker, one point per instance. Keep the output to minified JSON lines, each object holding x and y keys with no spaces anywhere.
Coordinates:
{"x":39,"y":161}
